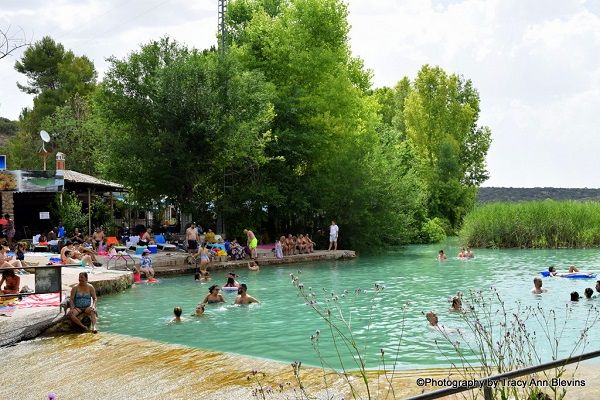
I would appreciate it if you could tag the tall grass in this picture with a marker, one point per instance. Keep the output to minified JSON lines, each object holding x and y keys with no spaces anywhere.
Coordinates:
{"x":533,"y":224}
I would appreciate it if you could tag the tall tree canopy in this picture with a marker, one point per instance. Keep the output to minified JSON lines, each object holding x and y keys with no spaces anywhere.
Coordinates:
{"x":179,"y":118}
{"x":327,"y":160}
{"x":54,"y":76}
{"x":438,"y":113}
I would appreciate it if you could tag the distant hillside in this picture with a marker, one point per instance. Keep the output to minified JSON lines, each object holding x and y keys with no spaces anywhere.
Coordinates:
{"x":491,"y":194}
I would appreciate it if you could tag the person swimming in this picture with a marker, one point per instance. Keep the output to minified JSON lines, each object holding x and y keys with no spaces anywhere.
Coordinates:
{"x":441,"y":256}
{"x":200,"y":308}
{"x":537,"y":286}
{"x":213,"y":296}
{"x":589,"y":293}
{"x":177,"y":311}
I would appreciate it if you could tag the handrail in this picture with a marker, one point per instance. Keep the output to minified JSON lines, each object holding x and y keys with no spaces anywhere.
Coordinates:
{"x":487,"y":383}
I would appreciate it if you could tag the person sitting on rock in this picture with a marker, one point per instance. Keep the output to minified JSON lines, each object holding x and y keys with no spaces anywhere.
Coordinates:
{"x":83,"y":301}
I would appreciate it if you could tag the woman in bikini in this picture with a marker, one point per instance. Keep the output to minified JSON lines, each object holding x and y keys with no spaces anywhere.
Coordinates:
{"x":83,"y":300}
{"x":12,"y":282}
{"x":213,"y":296}
{"x":6,"y":261}
{"x":204,"y":258}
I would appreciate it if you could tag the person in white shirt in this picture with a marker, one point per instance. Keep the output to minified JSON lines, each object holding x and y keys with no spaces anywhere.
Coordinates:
{"x":333,"y":235}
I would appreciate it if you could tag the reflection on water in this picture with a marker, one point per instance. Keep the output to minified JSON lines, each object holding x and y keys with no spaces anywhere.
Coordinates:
{"x":280,"y":328}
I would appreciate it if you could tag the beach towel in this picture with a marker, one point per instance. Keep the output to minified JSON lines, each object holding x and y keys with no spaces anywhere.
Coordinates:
{"x":40,"y":300}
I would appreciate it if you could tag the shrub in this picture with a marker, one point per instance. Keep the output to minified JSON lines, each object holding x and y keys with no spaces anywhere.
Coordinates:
{"x":433,"y":231}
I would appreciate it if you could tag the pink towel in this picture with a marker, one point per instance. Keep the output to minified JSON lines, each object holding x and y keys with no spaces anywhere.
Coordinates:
{"x":40,"y":300}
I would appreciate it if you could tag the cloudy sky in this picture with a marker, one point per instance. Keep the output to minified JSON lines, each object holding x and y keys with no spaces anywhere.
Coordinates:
{"x":536,"y":63}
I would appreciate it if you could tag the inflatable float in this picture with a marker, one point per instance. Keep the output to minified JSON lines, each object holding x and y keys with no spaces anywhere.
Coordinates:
{"x":570,"y":275}
{"x":230,"y":288}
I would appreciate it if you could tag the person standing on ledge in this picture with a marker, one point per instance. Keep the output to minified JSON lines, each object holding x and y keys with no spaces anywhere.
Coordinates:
{"x":333,"y":235}
{"x":191,"y":235}
{"x":252,"y":243}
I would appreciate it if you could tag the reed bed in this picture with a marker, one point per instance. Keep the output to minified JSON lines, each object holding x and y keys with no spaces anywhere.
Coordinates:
{"x":533,"y":224}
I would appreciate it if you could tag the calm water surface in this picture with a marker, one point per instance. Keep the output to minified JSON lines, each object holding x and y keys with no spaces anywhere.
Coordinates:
{"x":280,"y":327}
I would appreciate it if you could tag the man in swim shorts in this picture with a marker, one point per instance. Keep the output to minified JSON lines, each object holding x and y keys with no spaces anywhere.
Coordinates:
{"x":191,"y":235}
{"x":252,"y":243}
{"x":333,"y":235}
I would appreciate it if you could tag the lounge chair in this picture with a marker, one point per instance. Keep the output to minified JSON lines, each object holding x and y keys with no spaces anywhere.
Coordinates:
{"x":162,"y":244}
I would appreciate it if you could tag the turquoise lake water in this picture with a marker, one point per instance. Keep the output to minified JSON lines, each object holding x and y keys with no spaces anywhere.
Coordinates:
{"x":280,"y":327}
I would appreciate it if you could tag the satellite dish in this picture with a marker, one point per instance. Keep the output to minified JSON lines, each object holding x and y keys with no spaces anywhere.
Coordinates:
{"x":45,"y":136}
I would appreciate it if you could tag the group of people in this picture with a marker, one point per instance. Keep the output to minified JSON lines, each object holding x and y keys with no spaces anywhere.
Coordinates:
{"x":72,"y":253}
{"x":575,"y":296}
{"x":215,"y":297}
{"x":463,"y":254}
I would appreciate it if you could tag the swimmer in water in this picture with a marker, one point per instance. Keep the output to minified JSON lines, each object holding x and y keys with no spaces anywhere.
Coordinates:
{"x":253,"y":266}
{"x":199,"y":310}
{"x":213,"y":296}
{"x":177,"y":318}
{"x":441,"y":256}
{"x":589,"y":293}
{"x":537,"y":286}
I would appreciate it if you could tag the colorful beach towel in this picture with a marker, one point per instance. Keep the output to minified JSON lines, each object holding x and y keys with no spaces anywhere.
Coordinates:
{"x":40,"y":300}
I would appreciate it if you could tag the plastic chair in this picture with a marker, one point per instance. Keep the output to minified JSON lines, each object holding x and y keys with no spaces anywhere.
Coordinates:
{"x":162,"y":243}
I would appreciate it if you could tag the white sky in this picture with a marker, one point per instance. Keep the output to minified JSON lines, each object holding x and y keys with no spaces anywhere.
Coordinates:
{"x":536,"y":63}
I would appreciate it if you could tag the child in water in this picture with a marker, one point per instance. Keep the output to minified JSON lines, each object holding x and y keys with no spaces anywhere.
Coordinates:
{"x":441,"y":256}
{"x":177,"y":311}
{"x":199,"y":310}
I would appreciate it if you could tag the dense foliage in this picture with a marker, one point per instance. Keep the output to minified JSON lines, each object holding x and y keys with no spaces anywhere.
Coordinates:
{"x":68,"y":209}
{"x":282,"y":133}
{"x":55,"y":76}
{"x":533,"y":224}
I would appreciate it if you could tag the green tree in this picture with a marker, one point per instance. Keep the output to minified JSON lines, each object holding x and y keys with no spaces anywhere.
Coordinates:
{"x":68,"y":210}
{"x":177,"y":119}
{"x":328,"y":159}
{"x":54,"y":76}
{"x":440,"y":115}
{"x":77,"y":131}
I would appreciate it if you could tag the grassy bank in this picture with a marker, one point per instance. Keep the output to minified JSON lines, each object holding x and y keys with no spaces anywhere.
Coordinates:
{"x":533,"y":224}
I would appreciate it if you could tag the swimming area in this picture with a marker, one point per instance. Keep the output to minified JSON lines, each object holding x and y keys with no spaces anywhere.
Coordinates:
{"x":280,"y":327}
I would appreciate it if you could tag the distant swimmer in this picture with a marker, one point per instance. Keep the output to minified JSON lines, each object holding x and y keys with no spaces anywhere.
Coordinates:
{"x":589,"y":293}
{"x":469,"y":253}
{"x":432,"y":318}
{"x":177,"y":311}
{"x":537,"y":286}
{"x":575,"y":296}
{"x":462,"y":253}
{"x":441,"y":256}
